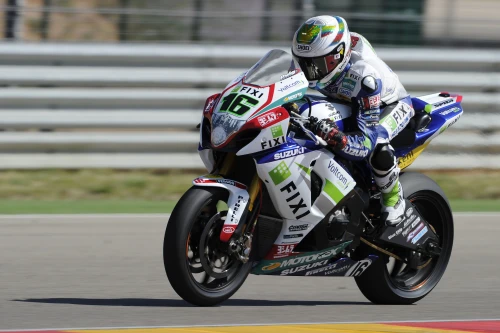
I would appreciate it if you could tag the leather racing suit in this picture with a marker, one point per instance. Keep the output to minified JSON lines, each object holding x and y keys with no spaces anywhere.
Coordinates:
{"x":381,"y":107}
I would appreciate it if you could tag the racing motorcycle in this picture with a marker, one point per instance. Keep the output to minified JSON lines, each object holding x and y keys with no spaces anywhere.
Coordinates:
{"x":278,"y":201}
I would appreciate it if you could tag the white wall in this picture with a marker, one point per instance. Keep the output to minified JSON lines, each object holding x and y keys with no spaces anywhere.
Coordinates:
{"x":462,"y":20}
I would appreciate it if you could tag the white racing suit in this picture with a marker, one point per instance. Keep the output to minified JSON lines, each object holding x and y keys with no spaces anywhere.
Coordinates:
{"x":382,"y":108}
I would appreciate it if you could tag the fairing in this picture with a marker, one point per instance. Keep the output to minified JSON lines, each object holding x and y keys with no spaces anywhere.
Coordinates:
{"x":247,"y":102}
{"x":445,"y":110}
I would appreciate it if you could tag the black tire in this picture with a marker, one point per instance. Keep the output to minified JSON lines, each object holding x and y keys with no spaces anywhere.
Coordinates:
{"x":376,"y":284}
{"x":178,"y":231}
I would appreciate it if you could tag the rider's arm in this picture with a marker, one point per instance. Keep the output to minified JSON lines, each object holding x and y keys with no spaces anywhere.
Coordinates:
{"x":357,"y":145}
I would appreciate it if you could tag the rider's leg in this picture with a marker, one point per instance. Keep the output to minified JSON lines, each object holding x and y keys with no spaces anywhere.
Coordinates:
{"x":383,"y":161}
{"x":386,"y":175}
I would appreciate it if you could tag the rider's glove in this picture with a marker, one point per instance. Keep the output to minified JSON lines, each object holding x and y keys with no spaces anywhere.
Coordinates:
{"x":328,"y":131}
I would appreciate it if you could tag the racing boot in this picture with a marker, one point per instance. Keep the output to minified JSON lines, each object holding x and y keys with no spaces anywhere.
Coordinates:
{"x":393,"y":205}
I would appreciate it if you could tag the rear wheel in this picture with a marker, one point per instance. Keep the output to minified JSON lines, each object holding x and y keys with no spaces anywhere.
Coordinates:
{"x":198,"y":265}
{"x":390,"y":281}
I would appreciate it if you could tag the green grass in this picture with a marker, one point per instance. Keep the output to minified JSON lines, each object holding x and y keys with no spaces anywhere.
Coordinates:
{"x":461,"y":205}
{"x":156,"y":191}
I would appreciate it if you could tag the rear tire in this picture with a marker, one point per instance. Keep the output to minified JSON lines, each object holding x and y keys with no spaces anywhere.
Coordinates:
{"x":179,"y":235}
{"x":377,"y":284}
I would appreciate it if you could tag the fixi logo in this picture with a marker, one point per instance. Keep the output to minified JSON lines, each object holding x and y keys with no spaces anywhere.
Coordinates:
{"x":389,"y":121}
{"x":276,"y":131}
{"x":280,"y":173}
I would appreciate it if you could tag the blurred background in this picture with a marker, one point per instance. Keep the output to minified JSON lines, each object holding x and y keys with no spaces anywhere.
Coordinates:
{"x":99,"y":99}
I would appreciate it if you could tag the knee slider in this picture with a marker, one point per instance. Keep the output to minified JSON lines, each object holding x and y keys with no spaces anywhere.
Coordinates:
{"x":382,"y":158}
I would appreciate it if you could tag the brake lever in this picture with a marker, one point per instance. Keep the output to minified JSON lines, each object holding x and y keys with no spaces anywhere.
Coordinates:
{"x":317,"y":140}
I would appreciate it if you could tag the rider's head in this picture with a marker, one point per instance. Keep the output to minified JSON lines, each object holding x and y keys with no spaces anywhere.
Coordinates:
{"x":322,"y":48}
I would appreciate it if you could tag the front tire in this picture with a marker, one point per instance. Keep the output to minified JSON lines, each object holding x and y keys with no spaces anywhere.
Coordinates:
{"x":195,"y":221}
{"x":381,"y":285}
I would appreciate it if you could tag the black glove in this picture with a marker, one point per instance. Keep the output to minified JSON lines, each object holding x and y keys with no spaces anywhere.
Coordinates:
{"x":327,"y":130}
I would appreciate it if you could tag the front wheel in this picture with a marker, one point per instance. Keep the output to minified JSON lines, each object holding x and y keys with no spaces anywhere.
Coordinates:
{"x":390,"y":281}
{"x":198,"y":265}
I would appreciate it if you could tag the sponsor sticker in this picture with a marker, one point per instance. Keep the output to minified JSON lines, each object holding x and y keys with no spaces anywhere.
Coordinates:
{"x":251,"y":91}
{"x":339,"y":173}
{"x":349,"y":84}
{"x":306,"y":258}
{"x":267,"y":118}
{"x":293,"y":97}
{"x":289,"y":153}
{"x":293,"y":236}
{"x":226,"y":181}
{"x":289,"y":74}
{"x":291,"y":85}
{"x":354,"y":76}
{"x":300,"y":227}
{"x":228,"y":230}
{"x":280,"y":173}
{"x":276,"y":131}
{"x":396,"y":233}
{"x":359,"y":268}
{"x":374,"y":101}
{"x":441,"y":103}
{"x":295,"y":201}
{"x":284,"y":250}
{"x":303,"y":268}
{"x":409,"y":211}
{"x":419,"y":235}
{"x":302,"y":47}
{"x":454,"y":110}
{"x":414,"y":232}
{"x":345,"y":92}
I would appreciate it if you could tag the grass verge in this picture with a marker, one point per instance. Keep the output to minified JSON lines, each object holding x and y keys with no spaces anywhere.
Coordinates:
{"x":156,"y":191}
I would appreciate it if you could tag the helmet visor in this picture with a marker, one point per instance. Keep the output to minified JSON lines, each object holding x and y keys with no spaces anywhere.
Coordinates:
{"x":318,"y":67}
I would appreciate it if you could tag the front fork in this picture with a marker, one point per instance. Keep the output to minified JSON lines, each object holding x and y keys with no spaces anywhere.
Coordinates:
{"x":255,"y":185}
{"x":241,"y":207}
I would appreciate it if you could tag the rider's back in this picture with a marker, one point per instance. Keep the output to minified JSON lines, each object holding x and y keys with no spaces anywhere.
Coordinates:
{"x":365,"y":62}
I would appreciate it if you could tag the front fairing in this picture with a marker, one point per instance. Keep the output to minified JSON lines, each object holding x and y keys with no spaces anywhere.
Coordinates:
{"x":248,"y":103}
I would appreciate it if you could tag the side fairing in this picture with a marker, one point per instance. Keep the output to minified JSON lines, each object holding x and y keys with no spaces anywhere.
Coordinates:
{"x":286,"y":172}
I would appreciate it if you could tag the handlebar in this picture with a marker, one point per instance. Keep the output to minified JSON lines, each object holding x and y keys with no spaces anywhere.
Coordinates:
{"x":299,"y":120}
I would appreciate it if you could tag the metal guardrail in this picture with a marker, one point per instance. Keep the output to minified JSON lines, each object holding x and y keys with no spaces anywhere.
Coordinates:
{"x":210,"y":77}
{"x":426,"y":161}
{"x":176,"y":118}
{"x":113,"y":98}
{"x":67,"y":92}
{"x":226,"y":56}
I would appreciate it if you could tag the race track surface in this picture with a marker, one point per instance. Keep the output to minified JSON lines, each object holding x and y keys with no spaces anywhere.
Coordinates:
{"x":95,"y":271}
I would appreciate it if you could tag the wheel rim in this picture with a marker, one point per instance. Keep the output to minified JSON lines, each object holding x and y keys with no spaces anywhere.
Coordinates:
{"x":210,"y":266}
{"x":401,"y":275}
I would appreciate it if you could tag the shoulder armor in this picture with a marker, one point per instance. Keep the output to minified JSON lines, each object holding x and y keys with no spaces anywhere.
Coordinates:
{"x":369,"y":84}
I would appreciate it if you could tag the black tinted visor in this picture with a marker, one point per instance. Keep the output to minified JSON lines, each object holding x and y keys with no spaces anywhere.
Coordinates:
{"x":318,"y":67}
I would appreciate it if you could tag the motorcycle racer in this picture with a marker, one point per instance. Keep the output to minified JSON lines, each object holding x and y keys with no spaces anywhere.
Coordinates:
{"x":343,"y":65}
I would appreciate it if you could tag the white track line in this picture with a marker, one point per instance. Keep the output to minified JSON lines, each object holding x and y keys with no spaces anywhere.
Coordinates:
{"x":239,"y":325}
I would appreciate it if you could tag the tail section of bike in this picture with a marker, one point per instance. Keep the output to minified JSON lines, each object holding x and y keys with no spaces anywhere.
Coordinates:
{"x":433,"y":115}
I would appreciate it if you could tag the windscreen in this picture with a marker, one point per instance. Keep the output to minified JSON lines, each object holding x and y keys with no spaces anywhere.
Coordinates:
{"x":272,"y":68}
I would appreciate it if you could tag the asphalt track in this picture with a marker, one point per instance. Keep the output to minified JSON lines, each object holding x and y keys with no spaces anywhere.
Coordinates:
{"x":95,"y":271}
